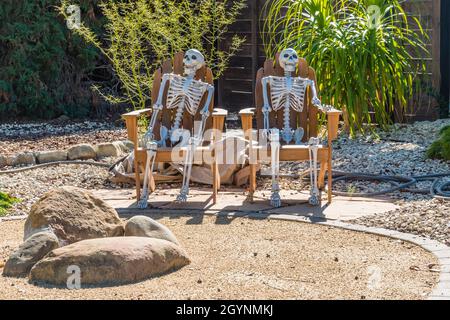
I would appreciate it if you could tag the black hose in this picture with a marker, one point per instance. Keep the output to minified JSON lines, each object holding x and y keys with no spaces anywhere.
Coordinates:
{"x":400,"y":183}
{"x":99,"y":164}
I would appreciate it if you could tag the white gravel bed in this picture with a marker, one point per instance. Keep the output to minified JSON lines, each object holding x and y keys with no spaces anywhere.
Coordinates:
{"x":37,"y":129}
{"x":30,"y":185}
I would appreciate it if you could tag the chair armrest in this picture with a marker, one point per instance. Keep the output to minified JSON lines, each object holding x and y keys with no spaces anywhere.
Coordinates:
{"x":332,"y":121}
{"x":247,"y":112}
{"x":218,"y":112}
{"x":131,"y":119}
{"x":247,"y":119}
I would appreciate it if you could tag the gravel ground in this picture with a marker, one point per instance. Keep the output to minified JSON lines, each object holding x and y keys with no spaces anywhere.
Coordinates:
{"x":261,"y":259}
{"x":46,"y":136}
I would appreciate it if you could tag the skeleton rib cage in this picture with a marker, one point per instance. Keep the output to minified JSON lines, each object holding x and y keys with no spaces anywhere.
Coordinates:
{"x":190,"y":96}
{"x":280,"y":93}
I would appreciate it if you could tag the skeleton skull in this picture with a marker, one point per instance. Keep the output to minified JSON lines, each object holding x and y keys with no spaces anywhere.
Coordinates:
{"x":288,"y":59}
{"x":193,"y":60}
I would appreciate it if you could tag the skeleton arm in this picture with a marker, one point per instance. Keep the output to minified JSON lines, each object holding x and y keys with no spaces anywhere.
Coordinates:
{"x":266,"y":107}
{"x":157,"y":107}
{"x":315,"y":99}
{"x":205,"y":111}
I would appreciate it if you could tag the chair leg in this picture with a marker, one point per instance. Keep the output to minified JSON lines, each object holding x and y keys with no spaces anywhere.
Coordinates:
{"x":137,"y":178}
{"x":323,"y":169}
{"x":152,"y":182}
{"x":252,"y":182}
{"x":216,"y":181}
{"x":330,"y":182}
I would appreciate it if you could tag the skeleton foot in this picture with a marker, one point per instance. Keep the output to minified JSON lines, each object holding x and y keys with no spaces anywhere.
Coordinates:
{"x":143,"y":202}
{"x":275,"y":199}
{"x":182,"y":197}
{"x":314,"y":200}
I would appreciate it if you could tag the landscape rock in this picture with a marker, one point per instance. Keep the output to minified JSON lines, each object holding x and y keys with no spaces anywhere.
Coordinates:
{"x":51,"y":156}
{"x":29,"y":253}
{"x":142,"y":226}
{"x":107,"y":150}
{"x":9,"y":159}
{"x":81,"y":152}
{"x":3,"y":161}
{"x":110,"y":261}
{"x":73,"y":214}
{"x":24,"y":158}
{"x":60,"y":120}
{"x":128,"y":144}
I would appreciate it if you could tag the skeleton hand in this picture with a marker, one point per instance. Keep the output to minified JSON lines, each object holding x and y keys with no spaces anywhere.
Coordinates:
{"x":316,"y":102}
{"x":157,"y":106}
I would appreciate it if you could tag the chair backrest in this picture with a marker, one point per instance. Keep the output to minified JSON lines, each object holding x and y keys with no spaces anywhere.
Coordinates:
{"x":307,"y":119}
{"x":167,"y":116}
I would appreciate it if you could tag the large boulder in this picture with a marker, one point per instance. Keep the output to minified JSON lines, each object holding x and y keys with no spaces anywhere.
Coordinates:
{"x":110,"y":261}
{"x":51,"y":156}
{"x":31,"y":251}
{"x":81,"y":152}
{"x":142,"y":226}
{"x":73,"y":214}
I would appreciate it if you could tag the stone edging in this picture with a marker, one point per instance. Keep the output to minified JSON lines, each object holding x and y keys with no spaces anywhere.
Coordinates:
{"x":76,"y":152}
{"x":439,"y":250}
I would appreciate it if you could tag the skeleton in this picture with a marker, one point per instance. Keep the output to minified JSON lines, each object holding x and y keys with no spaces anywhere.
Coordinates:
{"x":285,"y":93}
{"x":184,"y":93}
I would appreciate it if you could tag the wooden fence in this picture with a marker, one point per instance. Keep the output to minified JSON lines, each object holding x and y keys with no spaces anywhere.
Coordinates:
{"x":236,"y":87}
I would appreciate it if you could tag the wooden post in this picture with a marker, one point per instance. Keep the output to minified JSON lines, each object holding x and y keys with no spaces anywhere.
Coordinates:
{"x":436,"y":45}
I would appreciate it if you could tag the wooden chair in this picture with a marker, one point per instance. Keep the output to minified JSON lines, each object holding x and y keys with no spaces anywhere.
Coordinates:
{"x":307,"y":119}
{"x":166,"y":117}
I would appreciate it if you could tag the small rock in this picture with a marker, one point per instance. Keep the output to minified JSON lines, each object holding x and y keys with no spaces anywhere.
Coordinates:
{"x":142,"y":226}
{"x":24,"y":158}
{"x":60,"y":120}
{"x":51,"y":156}
{"x":29,"y":253}
{"x":128,"y":145}
{"x":104,"y":150}
{"x":3,"y":161}
{"x":81,"y":152}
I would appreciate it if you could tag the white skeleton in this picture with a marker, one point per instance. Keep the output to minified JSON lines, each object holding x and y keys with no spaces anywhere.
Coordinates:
{"x":285,"y":93}
{"x":184,"y":93}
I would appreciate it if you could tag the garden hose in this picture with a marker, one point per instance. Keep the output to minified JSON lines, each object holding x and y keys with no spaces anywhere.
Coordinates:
{"x":400,"y":183}
{"x":99,"y":164}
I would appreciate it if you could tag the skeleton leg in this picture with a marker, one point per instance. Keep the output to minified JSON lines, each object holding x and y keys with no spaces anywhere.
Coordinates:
{"x":314,"y":199}
{"x":182,"y":197}
{"x":151,"y":153}
{"x":275,"y":199}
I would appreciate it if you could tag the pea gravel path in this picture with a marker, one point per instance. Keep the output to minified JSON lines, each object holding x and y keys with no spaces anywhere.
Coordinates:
{"x":238,"y":258}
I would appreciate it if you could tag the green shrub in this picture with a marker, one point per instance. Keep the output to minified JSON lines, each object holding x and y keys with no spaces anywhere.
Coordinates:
{"x":440,"y":149}
{"x":363,"y":57}
{"x":6,"y":201}
{"x":45,"y":71}
{"x":141,"y":34}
